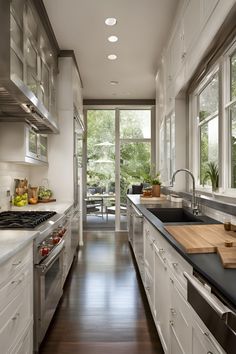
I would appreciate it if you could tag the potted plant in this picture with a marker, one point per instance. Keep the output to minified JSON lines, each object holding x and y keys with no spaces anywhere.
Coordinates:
{"x":212,"y":174}
{"x":156,"y":185}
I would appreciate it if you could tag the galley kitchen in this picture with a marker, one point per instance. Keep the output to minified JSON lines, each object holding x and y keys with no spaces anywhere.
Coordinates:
{"x":117,"y":176}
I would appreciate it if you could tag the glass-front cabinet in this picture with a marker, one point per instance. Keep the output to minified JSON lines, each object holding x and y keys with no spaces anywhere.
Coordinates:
{"x":36,"y":145}
{"x":33,"y":58}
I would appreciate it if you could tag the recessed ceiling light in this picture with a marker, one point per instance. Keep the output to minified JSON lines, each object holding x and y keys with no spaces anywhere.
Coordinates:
{"x":113,"y":39}
{"x":112,"y":57}
{"x":110,"y":21}
{"x":113,"y":82}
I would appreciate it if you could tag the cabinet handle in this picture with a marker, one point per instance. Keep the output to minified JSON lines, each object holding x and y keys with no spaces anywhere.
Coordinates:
{"x":147,"y":288}
{"x":209,"y":353}
{"x":14,"y":318}
{"x":171,"y":323}
{"x":175,"y":265}
{"x":16,"y":264}
{"x":173,"y":312}
{"x":172,"y":281}
{"x":183,"y":55}
{"x":161,"y":250}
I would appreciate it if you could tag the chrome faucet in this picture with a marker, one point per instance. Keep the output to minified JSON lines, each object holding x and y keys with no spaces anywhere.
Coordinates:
{"x":194,"y":205}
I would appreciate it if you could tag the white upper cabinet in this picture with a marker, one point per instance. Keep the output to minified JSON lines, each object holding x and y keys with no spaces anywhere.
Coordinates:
{"x":191,"y":23}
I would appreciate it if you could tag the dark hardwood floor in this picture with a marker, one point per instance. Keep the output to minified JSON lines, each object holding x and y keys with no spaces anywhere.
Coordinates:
{"x":103,"y":309}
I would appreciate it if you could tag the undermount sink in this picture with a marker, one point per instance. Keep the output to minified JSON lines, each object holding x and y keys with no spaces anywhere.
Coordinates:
{"x":175,"y":215}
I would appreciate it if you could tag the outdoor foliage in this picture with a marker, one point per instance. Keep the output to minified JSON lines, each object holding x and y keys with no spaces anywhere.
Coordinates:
{"x":134,"y":156}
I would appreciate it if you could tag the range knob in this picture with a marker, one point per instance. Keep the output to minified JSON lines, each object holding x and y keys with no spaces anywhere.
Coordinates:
{"x":44,"y":251}
{"x":56,"y":239}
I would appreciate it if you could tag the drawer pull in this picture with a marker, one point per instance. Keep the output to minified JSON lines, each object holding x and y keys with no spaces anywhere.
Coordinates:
{"x":171,"y":323}
{"x":209,"y":353}
{"x":147,"y":288}
{"x":161,"y":250}
{"x":14,"y":318}
{"x":172,"y":281}
{"x":175,"y":265}
{"x":16,"y":264}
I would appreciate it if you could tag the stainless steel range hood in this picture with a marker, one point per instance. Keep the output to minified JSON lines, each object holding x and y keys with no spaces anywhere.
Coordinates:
{"x":17,"y":102}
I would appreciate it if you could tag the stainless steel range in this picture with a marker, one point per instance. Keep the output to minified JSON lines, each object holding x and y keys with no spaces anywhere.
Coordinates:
{"x":48,"y":261}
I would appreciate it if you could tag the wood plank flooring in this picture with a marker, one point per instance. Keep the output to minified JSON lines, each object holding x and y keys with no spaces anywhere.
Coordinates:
{"x":103,"y":309}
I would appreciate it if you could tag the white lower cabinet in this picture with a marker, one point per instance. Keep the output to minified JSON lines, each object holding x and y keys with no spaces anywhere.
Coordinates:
{"x":16,"y":310}
{"x":180,"y":329}
{"x":180,"y":320}
{"x":162,"y":297}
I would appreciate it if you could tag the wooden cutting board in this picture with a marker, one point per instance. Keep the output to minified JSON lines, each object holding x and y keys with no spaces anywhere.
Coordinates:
{"x":228,"y":256}
{"x":201,"y":238}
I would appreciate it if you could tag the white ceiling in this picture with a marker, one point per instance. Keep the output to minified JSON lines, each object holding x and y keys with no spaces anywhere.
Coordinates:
{"x":142,"y":27}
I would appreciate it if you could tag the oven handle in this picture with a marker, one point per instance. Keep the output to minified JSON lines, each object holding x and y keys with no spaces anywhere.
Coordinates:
{"x":210,"y":298}
{"x":43,"y":267}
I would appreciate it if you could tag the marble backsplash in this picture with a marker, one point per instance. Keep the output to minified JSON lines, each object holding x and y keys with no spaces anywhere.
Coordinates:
{"x":8,"y":172}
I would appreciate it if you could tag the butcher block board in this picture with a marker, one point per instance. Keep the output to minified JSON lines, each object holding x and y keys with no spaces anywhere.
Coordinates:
{"x":228,"y":256}
{"x":152,"y":199}
{"x":46,"y":200}
{"x":201,"y":238}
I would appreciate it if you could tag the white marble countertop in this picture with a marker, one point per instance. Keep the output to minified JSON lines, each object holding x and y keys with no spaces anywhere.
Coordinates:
{"x":59,"y":207}
{"x":12,"y":241}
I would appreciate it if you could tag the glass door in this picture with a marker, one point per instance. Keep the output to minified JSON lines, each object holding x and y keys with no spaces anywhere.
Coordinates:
{"x":100,"y":196}
{"x":135,"y":154}
{"x":118,"y":156}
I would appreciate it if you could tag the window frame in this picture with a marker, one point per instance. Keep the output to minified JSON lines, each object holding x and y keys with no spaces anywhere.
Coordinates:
{"x":222,"y":65}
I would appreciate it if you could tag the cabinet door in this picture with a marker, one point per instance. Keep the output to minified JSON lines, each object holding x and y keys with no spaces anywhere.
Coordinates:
{"x":31,"y":66}
{"x":45,"y":84}
{"x":180,"y":323}
{"x":16,"y":27}
{"x":32,"y":144}
{"x":162,"y":297}
{"x":43,"y":147}
{"x":148,"y":250}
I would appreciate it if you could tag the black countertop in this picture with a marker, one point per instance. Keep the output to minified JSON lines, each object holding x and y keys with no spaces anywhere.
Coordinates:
{"x":209,"y":266}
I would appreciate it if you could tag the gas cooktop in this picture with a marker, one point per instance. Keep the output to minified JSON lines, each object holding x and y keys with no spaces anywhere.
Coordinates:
{"x":23,"y":219}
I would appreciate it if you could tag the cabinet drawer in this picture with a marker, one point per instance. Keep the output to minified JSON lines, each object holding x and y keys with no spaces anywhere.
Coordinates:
{"x":180,"y":318}
{"x":25,"y":343}
{"x":15,"y":317}
{"x":15,"y":285}
{"x":178,"y":266}
{"x":149,"y":287}
{"x":16,"y":263}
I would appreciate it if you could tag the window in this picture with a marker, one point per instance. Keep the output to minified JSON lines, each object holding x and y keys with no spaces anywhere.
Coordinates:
{"x":231,"y":107}
{"x":167,"y":153}
{"x":208,"y":103}
{"x":213,"y":107}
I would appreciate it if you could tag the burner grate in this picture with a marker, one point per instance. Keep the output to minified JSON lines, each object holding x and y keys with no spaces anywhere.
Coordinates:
{"x":23,"y":219}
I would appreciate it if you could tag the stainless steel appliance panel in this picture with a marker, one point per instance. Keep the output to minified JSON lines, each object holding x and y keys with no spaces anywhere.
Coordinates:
{"x":213,"y":313}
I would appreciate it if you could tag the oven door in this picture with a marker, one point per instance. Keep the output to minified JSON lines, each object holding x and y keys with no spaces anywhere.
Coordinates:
{"x":48,"y":291}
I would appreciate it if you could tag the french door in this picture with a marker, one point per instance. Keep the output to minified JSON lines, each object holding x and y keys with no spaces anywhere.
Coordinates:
{"x":120,"y":152}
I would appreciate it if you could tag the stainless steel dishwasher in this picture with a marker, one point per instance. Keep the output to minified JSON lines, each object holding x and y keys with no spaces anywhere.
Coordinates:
{"x":217,"y":316}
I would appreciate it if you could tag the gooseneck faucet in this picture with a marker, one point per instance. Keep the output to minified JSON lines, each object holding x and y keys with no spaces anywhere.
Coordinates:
{"x":193,"y":203}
